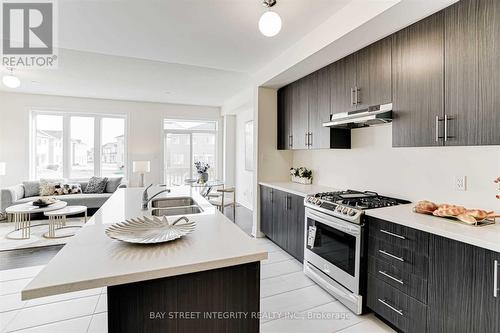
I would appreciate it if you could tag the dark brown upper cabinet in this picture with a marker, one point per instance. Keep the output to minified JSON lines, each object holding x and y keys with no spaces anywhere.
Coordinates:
{"x":373,"y":74}
{"x":362,"y":79}
{"x":319,"y":108}
{"x":440,"y":73}
{"x":472,"y":83}
{"x":300,"y":114}
{"x":285,"y":136}
{"x":303,"y":106}
{"x":342,"y":84}
{"x":418,"y":83}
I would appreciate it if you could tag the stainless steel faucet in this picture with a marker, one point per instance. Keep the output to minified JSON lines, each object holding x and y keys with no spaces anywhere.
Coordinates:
{"x":146,"y":199}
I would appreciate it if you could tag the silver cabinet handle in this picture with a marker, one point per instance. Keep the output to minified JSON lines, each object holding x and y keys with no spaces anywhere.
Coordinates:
{"x":445,"y":128}
{"x":383,"y":301}
{"x":392,"y":234}
{"x":358,"y":100}
{"x":391,"y":277}
{"x":310,"y":139}
{"x":391,"y":255}
{"x":307,"y":139}
{"x":495,"y":279}
{"x":352,"y":97}
{"x":289,"y":140}
{"x":437,"y":128}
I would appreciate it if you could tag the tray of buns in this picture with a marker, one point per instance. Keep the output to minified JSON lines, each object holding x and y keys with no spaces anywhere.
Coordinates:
{"x":473,"y":217}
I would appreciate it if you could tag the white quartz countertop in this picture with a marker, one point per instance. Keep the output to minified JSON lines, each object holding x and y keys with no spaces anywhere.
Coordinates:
{"x":298,"y":189}
{"x":93,"y":260}
{"x":487,"y":237}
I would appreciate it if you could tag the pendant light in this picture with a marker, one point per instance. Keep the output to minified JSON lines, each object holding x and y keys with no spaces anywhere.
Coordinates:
{"x":270,"y":22}
{"x":10,"y":80}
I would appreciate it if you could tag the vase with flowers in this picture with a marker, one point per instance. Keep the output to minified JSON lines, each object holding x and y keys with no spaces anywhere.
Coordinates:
{"x":301,"y":175}
{"x":202,"y":170}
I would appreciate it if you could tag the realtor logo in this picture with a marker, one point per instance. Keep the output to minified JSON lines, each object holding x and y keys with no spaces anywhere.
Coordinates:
{"x":28,"y":34}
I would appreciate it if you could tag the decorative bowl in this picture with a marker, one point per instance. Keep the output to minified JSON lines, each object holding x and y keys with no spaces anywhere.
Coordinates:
{"x":150,"y":229}
{"x":44,"y":202}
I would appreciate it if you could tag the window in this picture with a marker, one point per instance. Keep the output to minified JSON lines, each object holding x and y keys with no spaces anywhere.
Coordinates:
{"x":49,"y":146}
{"x":186,"y":142}
{"x":113,"y":147}
{"x":81,"y":147}
{"x":77,"y":146}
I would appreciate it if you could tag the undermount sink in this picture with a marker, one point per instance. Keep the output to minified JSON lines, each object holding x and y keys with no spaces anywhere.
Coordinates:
{"x":175,"y":206}
{"x":173,"y":202}
{"x":176,"y":211}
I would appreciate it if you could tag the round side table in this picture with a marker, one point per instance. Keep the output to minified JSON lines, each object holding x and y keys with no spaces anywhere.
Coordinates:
{"x":21,"y":216}
{"x":57,"y":220}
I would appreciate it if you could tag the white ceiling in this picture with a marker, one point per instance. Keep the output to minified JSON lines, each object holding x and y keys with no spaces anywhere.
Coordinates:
{"x":201,"y":51}
{"x":221,"y":34}
{"x":86,"y":74}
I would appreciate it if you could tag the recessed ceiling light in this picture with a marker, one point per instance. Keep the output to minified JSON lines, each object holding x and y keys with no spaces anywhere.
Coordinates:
{"x":270,"y":22}
{"x":10,"y":80}
{"x":35,"y":82}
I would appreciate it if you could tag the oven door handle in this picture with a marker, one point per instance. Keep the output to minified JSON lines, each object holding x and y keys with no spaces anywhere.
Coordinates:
{"x":347,"y":227}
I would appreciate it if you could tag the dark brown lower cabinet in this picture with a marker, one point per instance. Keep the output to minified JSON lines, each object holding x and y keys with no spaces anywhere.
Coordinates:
{"x":421,"y":282}
{"x":401,"y":310}
{"x":295,"y":218}
{"x":461,"y":288}
{"x":266,"y":208}
{"x":189,"y":302}
{"x":282,"y":220}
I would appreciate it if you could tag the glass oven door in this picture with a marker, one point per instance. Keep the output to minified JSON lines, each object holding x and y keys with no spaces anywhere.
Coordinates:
{"x":333,"y":245}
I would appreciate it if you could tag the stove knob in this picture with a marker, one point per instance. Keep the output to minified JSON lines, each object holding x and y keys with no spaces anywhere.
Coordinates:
{"x":339,"y":209}
{"x":352,"y":212}
{"x":345,"y":210}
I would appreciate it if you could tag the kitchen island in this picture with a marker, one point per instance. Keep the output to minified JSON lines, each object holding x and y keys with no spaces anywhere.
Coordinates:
{"x":206,"y":281}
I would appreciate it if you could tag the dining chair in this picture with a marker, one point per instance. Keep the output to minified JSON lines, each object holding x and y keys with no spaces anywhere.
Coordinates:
{"x":221,"y":201}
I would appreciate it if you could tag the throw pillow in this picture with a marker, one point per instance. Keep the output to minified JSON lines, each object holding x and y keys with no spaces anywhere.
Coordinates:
{"x":113,"y":184}
{"x":48,"y":186}
{"x":58,"y":190}
{"x":96,"y":185}
{"x":71,"y":188}
{"x":31,"y":188}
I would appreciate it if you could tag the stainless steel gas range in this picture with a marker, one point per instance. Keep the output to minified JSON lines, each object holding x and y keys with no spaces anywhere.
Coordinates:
{"x":334,"y":252}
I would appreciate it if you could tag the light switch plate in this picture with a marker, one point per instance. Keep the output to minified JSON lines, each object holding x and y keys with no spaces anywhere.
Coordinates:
{"x":460,"y":183}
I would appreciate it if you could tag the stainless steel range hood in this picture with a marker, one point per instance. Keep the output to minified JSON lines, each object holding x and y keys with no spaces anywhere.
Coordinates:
{"x":373,"y":115}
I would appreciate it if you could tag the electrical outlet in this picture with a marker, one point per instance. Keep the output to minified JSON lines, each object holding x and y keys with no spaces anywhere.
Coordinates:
{"x":460,"y":183}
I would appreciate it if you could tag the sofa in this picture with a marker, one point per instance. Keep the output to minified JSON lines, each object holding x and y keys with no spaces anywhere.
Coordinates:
{"x":15,"y":195}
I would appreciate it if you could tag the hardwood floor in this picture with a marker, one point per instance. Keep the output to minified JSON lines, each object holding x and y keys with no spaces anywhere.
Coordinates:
{"x":244,"y":217}
{"x":27,"y":257}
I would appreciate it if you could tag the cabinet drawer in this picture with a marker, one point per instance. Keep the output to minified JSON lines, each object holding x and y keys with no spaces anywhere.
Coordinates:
{"x":402,"y":258}
{"x":399,"y":235}
{"x":401,"y":310}
{"x":408,"y":283}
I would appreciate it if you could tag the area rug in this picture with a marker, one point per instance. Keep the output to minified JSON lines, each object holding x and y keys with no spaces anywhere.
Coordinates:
{"x":38,"y":228}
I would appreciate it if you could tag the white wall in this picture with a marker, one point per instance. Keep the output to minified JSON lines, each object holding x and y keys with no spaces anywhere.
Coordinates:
{"x":229,"y":155}
{"x":145,"y":134}
{"x":244,"y":178}
{"x":409,"y":173}
{"x":272,"y":164}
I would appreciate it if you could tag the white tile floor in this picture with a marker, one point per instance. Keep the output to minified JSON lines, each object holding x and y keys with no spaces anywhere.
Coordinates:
{"x":290,"y":302}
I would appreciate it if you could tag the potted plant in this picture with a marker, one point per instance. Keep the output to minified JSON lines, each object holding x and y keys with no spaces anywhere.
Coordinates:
{"x":202,"y":168}
{"x":301,"y":175}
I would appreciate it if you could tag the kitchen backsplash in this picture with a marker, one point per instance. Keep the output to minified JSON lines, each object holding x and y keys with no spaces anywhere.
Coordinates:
{"x":409,"y":173}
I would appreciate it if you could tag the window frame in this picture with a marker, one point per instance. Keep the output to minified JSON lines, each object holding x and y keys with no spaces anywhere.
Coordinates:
{"x":190,"y":132}
{"x":66,"y":116}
